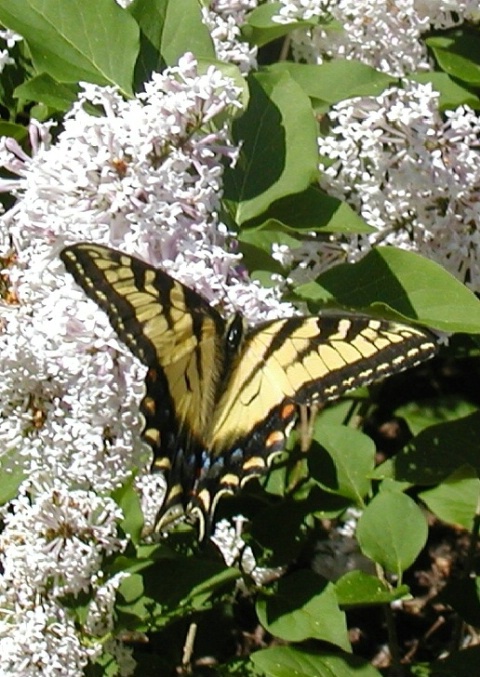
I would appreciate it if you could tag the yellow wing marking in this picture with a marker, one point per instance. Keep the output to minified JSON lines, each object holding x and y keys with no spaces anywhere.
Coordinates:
{"x":151,"y":313}
{"x":307,"y":365}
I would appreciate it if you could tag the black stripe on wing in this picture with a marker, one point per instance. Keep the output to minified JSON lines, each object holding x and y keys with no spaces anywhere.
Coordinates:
{"x":346,"y":352}
{"x":323,"y":358}
{"x":115,"y":281}
{"x":89,"y":265}
{"x":139,"y":299}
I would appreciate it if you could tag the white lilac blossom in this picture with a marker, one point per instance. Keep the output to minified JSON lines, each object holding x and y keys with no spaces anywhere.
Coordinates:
{"x":412,"y":174}
{"x":315,"y":256}
{"x":348,"y":524}
{"x":228,"y":539}
{"x":53,"y":544}
{"x":99,"y":620}
{"x":10,"y":37}
{"x":224,"y":19}
{"x":42,"y":641}
{"x":152,"y":489}
{"x":383,"y":34}
{"x":123,"y":655}
{"x":146,"y":177}
{"x":302,"y":10}
{"x":282,"y":253}
{"x":67,"y":392}
{"x":5,"y":59}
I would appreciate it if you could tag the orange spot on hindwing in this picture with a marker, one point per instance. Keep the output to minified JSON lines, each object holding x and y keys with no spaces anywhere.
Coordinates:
{"x":275,"y":440}
{"x":288,"y":411}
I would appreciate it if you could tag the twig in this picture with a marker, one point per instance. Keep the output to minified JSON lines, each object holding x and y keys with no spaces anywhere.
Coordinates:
{"x":188,"y":650}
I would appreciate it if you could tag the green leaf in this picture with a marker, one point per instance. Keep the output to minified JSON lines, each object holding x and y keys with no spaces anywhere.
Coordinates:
{"x":458,"y":54}
{"x":357,"y":588}
{"x":452,"y":94}
{"x":13,"y":75}
{"x":259,"y":264}
{"x":279,"y":146}
{"x":284,"y":661}
{"x":131,"y":588}
{"x":339,"y":412}
{"x":133,"y":609}
{"x":256,"y":246}
{"x":391,"y":531}
{"x":76,"y":40}
{"x":260,"y":29}
{"x":284,"y":544}
{"x":305,"y":606}
{"x":312,"y":210}
{"x":45,"y":89}
{"x":177,"y":581}
{"x":325,"y":505}
{"x":437,"y":452}
{"x":336,"y":80}
{"x":388,"y":484}
{"x":264,"y":238}
{"x":236,"y":667}
{"x":353,"y":455}
{"x":12,"y":475}
{"x":421,"y":414}
{"x":18,"y":132}
{"x":169,"y":28}
{"x":128,"y":500}
{"x":104,"y":665}
{"x":456,"y":499}
{"x":402,"y":281}
{"x":171,"y":587}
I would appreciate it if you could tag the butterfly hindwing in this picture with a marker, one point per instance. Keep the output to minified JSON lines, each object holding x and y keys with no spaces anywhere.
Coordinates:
{"x":299,"y":361}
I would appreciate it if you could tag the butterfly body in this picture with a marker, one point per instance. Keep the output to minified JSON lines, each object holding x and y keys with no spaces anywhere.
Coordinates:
{"x":221,"y":396}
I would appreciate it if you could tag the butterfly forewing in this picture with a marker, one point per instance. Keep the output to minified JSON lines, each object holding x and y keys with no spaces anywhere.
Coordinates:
{"x":169,"y":328}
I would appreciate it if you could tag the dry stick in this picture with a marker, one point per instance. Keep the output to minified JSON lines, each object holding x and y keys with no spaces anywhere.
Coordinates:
{"x":440,"y":621}
{"x":188,"y":649}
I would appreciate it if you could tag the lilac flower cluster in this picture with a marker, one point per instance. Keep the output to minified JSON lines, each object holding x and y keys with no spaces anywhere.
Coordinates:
{"x":412,"y":174}
{"x":385,"y":35}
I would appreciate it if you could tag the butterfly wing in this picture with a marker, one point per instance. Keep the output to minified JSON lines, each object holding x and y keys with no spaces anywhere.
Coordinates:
{"x":173,"y":331}
{"x":291,"y":362}
{"x":217,"y":408}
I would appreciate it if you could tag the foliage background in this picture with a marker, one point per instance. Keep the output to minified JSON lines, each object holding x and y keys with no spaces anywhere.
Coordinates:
{"x":285,"y":604}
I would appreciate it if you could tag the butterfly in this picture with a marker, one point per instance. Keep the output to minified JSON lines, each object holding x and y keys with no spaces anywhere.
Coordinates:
{"x":220,"y":396}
